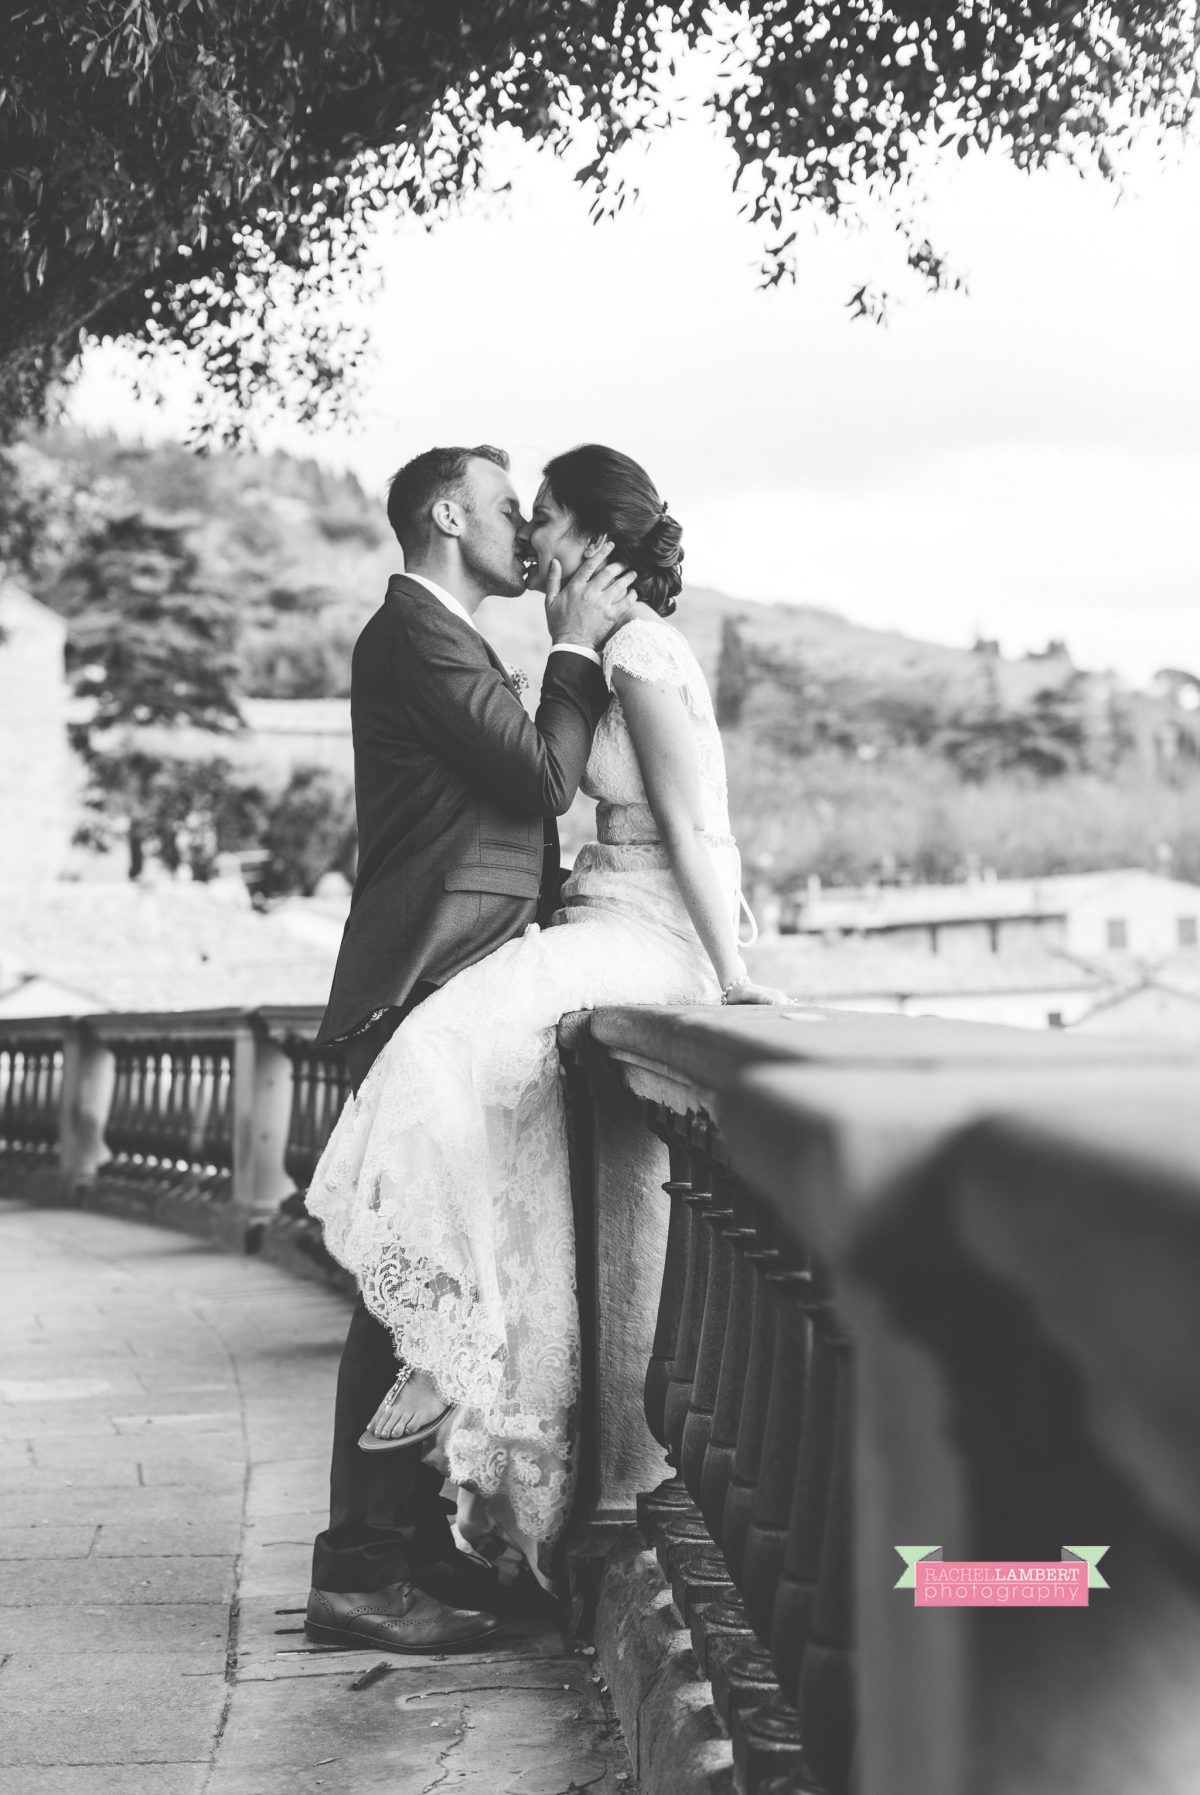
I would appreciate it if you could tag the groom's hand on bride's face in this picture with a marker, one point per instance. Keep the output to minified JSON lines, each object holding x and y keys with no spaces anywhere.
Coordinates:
{"x":596,"y":600}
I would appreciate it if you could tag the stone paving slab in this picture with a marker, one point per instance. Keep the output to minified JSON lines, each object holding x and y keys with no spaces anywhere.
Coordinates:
{"x":81,"y":1779}
{"x":145,"y":1581}
{"x":52,"y":1715}
{"x":116,"y":1629}
{"x":524,"y":1728}
{"x":164,"y":1420}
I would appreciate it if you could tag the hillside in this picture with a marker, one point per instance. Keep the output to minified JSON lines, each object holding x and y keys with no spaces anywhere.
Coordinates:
{"x":854,"y":753}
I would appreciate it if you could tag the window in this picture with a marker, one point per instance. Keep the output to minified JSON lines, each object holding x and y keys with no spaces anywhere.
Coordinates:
{"x":1186,"y":931}
{"x":1116,"y":933}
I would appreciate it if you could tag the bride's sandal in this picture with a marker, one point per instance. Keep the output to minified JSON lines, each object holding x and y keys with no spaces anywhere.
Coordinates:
{"x":372,"y":1442}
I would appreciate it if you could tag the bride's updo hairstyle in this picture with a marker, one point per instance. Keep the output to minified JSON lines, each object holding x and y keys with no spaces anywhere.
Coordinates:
{"x":609,"y":495}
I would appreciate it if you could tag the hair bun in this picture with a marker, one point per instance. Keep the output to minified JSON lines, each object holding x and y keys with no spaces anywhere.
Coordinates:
{"x":660,"y":564}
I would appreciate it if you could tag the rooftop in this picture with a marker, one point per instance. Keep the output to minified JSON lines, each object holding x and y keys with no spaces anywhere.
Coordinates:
{"x":810,"y":970}
{"x":978,"y":900}
{"x":126,"y":946}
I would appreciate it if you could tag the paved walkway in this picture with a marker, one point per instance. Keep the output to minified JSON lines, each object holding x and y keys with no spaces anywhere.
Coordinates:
{"x":164,"y":1411}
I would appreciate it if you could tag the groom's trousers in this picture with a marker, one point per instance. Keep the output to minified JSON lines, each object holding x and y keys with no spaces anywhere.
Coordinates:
{"x":386,"y":1515}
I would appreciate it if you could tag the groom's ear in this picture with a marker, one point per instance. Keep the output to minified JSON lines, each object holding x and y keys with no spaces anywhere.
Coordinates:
{"x":446,"y":517}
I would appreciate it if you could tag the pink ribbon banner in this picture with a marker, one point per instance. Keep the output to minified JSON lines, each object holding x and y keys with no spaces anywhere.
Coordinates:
{"x":1001,"y":1583}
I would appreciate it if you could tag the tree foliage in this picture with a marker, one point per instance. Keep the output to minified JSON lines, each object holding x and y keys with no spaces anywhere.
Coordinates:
{"x":182,"y":813}
{"x":185,"y":171}
{"x":187,"y":813}
{"x":148,"y":642}
{"x":310,"y":830}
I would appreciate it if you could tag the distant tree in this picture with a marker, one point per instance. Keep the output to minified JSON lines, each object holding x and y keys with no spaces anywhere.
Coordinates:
{"x":1048,"y":737}
{"x":733,"y":675}
{"x":310,"y":830}
{"x":44,"y":516}
{"x":180,"y":812}
{"x":186,"y":813}
{"x":150,"y":644}
{"x":937,"y":857}
{"x":304,"y":655}
{"x":148,"y":641}
{"x":1051,"y":737}
{"x":171,"y":170}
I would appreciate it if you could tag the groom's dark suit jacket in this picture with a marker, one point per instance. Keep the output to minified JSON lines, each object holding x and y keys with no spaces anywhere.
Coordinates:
{"x":456,"y":792}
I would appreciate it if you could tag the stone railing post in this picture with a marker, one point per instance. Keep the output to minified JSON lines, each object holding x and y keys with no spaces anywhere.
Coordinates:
{"x":262,"y":1106}
{"x":618,"y":1172}
{"x":87,"y":1088}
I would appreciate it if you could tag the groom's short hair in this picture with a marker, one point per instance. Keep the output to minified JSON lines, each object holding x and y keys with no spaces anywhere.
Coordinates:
{"x":416,"y":489}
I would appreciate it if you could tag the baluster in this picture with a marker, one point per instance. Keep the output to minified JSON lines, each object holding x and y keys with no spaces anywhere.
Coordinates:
{"x":326,"y":1103}
{"x":120,"y":1099}
{"x":223,"y":1117}
{"x":825,"y":1696}
{"x":152,"y":1072}
{"x":739,"y":1493}
{"x":721,"y":1447}
{"x":296,"y":1156}
{"x":146,"y":1099}
{"x":34,"y":1062}
{"x":670,"y":1501}
{"x":44,"y":1116}
{"x":695,"y":1286}
{"x":128,"y":1069}
{"x":200,"y":1084}
{"x":742,"y":1677}
{"x":133,"y":1139}
{"x":216,"y":1154}
{"x":792,"y":1295}
{"x":21,"y":1103}
{"x":768,"y":1751}
{"x":770,"y":1740}
{"x":720,"y":1627}
{"x":697,"y":1428}
{"x":791,"y":1617}
{"x":681,"y":1532}
{"x":670,"y":1305}
{"x":742,"y":1674}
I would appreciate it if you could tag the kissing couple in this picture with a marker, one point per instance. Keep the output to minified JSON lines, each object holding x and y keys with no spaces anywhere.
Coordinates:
{"x":444,"y":1187}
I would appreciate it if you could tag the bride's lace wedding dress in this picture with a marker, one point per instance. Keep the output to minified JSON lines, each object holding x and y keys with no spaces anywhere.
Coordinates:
{"x":444,"y":1187}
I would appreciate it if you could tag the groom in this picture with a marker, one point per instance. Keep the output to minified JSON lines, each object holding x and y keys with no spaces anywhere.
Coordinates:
{"x":456,"y":792}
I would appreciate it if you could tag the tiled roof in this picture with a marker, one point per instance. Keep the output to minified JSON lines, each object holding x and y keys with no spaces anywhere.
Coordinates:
{"x":850,"y":970}
{"x":123,"y":946}
{"x":980,"y":900}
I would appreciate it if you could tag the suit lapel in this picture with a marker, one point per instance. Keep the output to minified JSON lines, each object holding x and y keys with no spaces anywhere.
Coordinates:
{"x":401,"y":587}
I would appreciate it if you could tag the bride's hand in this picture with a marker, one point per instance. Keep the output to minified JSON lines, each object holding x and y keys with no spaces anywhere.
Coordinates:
{"x":596,"y":600}
{"x":746,"y":991}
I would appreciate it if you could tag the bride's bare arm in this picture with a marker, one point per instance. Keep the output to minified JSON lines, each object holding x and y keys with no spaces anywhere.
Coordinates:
{"x":662,"y":737}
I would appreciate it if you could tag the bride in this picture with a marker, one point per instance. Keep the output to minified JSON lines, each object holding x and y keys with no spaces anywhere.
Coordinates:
{"x":444,"y":1187}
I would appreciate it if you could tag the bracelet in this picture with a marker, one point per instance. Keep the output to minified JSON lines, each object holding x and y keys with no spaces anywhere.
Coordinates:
{"x":735,"y":985}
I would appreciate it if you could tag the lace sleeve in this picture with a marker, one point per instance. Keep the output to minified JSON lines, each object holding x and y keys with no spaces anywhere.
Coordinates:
{"x":648,"y":651}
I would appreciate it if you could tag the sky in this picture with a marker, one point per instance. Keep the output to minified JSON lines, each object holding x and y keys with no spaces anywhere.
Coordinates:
{"x":1021,"y":462}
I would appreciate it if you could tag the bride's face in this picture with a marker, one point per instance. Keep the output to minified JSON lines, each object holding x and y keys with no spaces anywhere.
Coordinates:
{"x":552,"y":535}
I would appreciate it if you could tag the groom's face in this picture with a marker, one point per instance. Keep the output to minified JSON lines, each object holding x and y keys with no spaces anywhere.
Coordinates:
{"x":492,"y":521}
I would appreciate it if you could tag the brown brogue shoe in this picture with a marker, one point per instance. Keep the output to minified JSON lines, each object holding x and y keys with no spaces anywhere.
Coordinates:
{"x":398,"y":1618}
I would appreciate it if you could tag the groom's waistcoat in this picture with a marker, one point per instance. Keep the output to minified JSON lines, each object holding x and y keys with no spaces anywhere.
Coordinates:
{"x":456,"y":789}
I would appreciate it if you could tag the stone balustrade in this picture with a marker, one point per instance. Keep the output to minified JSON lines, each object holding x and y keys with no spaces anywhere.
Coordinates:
{"x":846,"y":1284}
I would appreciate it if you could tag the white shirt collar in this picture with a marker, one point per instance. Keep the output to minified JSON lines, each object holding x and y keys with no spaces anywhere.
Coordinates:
{"x":446,"y":598}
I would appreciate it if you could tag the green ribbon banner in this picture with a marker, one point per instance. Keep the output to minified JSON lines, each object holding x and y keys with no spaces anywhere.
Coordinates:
{"x":912,"y":1556}
{"x":1091,"y":1556}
